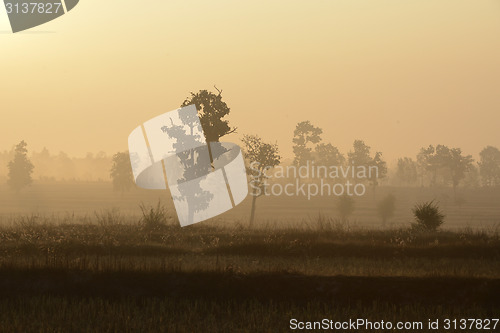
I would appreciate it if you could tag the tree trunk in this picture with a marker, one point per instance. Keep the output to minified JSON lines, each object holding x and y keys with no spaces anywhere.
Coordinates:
{"x":252,"y":214}
{"x":210,"y":156}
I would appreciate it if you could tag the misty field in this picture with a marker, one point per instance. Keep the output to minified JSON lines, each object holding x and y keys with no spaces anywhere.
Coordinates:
{"x":79,"y":257}
{"x":472,"y":208}
{"x":106,"y":275}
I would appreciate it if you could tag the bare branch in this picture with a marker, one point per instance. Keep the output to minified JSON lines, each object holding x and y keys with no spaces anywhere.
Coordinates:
{"x":220,"y":91}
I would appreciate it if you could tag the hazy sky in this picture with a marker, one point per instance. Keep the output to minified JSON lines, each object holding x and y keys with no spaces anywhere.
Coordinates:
{"x":398,"y":74}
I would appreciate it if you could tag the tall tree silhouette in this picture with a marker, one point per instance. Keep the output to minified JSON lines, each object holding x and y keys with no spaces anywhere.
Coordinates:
{"x":121,"y":172}
{"x":444,"y":163}
{"x":191,"y":164}
{"x":211,"y":110}
{"x":328,"y":155}
{"x":489,"y":166}
{"x":381,"y":165}
{"x":20,"y":168}
{"x":304,"y":134}
{"x":360,"y":157}
{"x":261,"y":157}
{"x":426,"y":164}
{"x":459,"y":165}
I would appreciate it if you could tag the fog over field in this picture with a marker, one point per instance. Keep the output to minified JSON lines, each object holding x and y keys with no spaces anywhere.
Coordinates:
{"x":366,"y":133}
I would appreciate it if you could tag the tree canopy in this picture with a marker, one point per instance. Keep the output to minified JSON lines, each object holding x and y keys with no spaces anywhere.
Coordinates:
{"x":261,"y":156}
{"x":305,"y":133}
{"x":489,"y":166}
{"x":121,"y":172}
{"x":20,"y":168}
{"x":211,"y":110}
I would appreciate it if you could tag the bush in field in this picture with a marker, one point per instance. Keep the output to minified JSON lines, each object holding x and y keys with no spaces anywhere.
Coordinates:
{"x":428,"y":216}
{"x":345,"y":207}
{"x":153,"y":218}
{"x":108,"y":218}
{"x":386,"y":207}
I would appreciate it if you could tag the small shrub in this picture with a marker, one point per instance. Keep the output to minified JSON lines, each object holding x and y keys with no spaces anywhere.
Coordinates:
{"x":428,"y":216}
{"x":386,"y":207}
{"x":153,"y":218}
{"x":28,"y":222}
{"x":108,"y":218}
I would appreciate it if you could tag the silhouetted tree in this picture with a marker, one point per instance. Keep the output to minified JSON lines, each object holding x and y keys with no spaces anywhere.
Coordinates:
{"x":381,"y":173}
{"x":438,"y":160}
{"x":211,"y":110}
{"x":195,"y":166}
{"x":448,"y":164}
{"x":472,"y":177}
{"x":489,"y":166}
{"x":328,"y":155}
{"x":458,"y":165}
{"x":121,"y":172}
{"x":304,"y":134}
{"x":425,"y":164}
{"x":360,"y":157}
{"x":20,"y":168}
{"x":262,"y":157}
{"x":407,"y":170}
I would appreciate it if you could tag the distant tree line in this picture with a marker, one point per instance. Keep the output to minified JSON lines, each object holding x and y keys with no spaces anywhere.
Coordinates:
{"x":437,"y":165}
{"x":443,"y":166}
{"x":432,"y":166}
{"x":309,"y":147}
{"x":58,"y":167}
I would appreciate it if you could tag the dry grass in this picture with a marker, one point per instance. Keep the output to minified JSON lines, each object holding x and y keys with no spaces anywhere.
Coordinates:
{"x":110,"y":272}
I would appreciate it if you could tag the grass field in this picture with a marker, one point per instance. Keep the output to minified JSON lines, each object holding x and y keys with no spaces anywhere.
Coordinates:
{"x":106,"y":275}
{"x":80,"y":257}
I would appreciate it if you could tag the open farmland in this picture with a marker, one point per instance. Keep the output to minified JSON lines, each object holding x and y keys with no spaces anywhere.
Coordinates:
{"x":80,"y":257}
{"x":478,"y":208}
{"x":105,"y":275}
